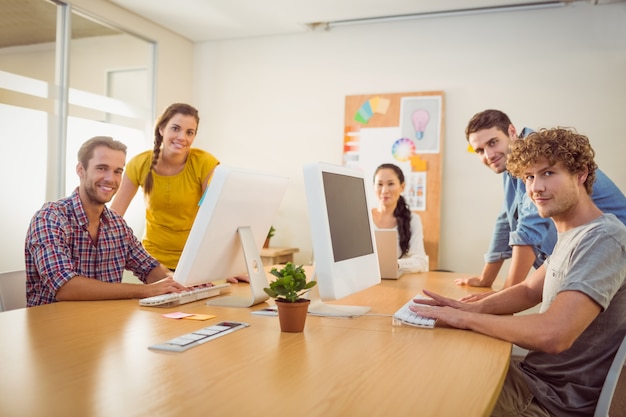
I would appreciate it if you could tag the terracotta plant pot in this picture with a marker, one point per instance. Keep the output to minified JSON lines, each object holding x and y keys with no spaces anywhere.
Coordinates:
{"x":292,"y":316}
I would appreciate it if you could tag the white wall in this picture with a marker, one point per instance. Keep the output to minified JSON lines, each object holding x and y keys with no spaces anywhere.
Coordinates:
{"x":275,"y":103}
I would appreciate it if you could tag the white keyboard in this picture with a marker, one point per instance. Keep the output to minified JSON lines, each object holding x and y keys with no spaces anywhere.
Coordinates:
{"x":176,"y":298}
{"x":405,"y":316}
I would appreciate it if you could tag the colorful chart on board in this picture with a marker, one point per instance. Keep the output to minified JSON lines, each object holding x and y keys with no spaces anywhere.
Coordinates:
{"x":373,"y":105}
{"x":403,"y":149}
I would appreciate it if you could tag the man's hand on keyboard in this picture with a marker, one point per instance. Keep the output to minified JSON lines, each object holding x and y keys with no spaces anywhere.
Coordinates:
{"x":164,"y":286}
{"x":447,"y":310}
{"x":475,"y":297}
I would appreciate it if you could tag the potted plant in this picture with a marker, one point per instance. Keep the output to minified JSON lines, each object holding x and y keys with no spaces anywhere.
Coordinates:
{"x":290,"y":284}
{"x":270,"y":233}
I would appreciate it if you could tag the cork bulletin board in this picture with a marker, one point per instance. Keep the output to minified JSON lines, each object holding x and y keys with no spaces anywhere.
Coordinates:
{"x":405,"y":129}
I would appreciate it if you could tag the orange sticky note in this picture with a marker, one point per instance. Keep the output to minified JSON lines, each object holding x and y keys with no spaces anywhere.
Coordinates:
{"x":417,"y":163}
{"x":200,"y":317}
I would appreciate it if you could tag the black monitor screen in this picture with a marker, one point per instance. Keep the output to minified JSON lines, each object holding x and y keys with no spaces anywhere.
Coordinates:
{"x":348,"y":218}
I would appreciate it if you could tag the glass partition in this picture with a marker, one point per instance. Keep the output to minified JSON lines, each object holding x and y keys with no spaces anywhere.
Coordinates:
{"x":65,"y":76}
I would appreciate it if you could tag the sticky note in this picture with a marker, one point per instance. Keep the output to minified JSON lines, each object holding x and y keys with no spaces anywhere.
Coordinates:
{"x":200,"y":317}
{"x":417,"y":163}
{"x":176,"y":315}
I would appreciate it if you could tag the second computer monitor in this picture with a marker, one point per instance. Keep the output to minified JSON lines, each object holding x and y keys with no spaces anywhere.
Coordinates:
{"x":344,"y":247}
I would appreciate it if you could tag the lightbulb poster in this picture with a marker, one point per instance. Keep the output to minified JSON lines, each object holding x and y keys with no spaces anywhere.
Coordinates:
{"x":419,"y":121}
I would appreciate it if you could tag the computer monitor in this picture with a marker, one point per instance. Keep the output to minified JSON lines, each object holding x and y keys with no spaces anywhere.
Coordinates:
{"x":235,"y":214}
{"x":344,"y":247}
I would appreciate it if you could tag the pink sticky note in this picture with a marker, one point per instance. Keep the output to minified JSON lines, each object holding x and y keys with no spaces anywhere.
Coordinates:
{"x":176,"y":315}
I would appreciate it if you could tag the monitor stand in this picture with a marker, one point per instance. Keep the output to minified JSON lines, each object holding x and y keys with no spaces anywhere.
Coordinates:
{"x":256,"y":275}
{"x":320,"y":308}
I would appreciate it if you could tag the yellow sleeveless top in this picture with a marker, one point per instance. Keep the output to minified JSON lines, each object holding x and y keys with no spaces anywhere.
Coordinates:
{"x":172,"y":205}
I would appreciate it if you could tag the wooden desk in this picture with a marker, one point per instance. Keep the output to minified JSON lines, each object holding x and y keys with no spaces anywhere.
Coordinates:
{"x":277,"y":255}
{"x":91,"y":359}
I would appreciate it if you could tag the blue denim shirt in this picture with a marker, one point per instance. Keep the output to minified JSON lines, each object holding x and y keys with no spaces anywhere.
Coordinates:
{"x":608,"y":197}
{"x":519,"y":223}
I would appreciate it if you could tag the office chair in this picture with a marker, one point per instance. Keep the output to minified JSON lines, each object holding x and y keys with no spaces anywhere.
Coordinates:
{"x":12,"y":290}
{"x":608,"y":389}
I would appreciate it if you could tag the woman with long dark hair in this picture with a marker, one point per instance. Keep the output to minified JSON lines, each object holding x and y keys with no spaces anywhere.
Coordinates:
{"x":393,"y":212}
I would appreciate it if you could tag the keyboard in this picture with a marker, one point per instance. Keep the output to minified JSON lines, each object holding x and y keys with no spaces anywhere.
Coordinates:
{"x":405,"y":316}
{"x":198,"y":337}
{"x":177,"y":298}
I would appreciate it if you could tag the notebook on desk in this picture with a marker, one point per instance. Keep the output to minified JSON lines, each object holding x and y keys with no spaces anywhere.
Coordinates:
{"x":387,"y":248}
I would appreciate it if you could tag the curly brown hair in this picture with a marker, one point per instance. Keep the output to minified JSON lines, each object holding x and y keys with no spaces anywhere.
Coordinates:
{"x":168,"y":113}
{"x":559,"y":144}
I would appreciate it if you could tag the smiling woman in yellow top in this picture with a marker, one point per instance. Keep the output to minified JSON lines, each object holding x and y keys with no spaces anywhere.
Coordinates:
{"x":173,"y":176}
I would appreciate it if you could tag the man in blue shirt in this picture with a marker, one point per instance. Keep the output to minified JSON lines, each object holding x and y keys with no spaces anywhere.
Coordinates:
{"x":520,"y":233}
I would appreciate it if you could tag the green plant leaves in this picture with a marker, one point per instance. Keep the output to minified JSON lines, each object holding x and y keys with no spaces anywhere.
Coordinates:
{"x":290,"y":283}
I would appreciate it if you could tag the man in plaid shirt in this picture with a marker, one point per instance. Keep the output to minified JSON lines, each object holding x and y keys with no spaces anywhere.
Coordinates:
{"x":77,"y":249}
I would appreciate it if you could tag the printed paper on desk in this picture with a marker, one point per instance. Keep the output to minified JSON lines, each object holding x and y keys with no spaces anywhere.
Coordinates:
{"x":269,"y":311}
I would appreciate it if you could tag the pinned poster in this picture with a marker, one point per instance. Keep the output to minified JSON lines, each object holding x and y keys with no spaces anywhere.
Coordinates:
{"x":420,"y":121}
{"x":415,"y":190}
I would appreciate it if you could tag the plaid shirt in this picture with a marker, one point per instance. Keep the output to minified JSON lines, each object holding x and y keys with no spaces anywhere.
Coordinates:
{"x":58,"y":247}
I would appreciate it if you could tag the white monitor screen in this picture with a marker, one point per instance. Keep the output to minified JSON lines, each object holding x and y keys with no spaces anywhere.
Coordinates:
{"x":342,"y":231}
{"x":235,"y":199}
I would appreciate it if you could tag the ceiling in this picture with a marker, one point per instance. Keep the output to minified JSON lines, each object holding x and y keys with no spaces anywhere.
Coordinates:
{"x":203,"y":20}
{"x":26,"y":22}
{"x":29,"y":22}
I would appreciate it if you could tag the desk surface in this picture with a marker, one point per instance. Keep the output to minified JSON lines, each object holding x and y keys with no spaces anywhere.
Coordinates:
{"x":92,"y":359}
